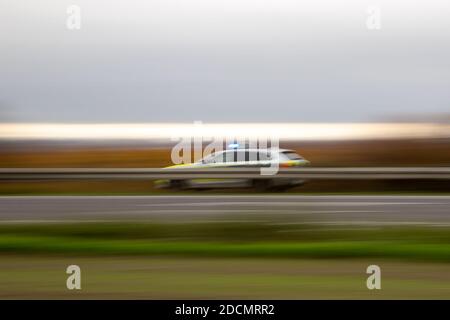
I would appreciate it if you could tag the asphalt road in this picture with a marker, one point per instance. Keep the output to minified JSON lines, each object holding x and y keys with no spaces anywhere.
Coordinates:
{"x":433,"y":210}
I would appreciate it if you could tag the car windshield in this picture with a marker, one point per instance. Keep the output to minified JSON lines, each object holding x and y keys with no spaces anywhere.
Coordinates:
{"x":213,"y":158}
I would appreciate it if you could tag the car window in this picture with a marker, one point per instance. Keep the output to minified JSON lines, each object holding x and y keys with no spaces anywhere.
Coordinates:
{"x":219,"y":158}
{"x":242,"y":155}
{"x":214,"y":158}
{"x":253,"y":156}
{"x":230,"y":156}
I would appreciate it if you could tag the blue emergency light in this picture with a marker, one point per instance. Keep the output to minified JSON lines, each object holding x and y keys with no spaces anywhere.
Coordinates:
{"x":233,"y":145}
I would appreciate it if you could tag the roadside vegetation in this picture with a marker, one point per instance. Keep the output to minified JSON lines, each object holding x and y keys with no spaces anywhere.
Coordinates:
{"x":228,"y":239}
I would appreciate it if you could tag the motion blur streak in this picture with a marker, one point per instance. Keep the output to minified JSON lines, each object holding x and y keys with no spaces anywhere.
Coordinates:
{"x":324,"y":209}
{"x":285,"y":131}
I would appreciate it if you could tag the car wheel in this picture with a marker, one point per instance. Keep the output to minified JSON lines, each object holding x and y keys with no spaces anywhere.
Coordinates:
{"x":177,"y":184}
{"x":261,"y":185}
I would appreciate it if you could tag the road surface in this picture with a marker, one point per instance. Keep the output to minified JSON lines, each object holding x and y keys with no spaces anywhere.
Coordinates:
{"x":432,"y":210}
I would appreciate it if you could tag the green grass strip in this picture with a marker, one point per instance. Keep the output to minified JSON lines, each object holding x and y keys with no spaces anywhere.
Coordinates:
{"x":347,"y":249}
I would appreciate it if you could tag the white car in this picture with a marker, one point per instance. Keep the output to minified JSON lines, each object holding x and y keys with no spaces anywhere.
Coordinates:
{"x":235,"y":158}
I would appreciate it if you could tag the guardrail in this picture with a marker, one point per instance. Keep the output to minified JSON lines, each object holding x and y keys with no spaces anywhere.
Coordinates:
{"x":247,"y":173}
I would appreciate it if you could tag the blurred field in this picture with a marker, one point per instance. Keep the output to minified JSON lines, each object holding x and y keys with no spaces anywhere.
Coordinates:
{"x":41,"y":277}
{"x":414,"y":152}
{"x":222,"y":260}
{"x":239,"y":256}
{"x":228,"y":239}
{"x":420,"y":152}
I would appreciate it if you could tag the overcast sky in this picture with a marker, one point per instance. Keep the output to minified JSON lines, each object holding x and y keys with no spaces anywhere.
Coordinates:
{"x":223,"y":61}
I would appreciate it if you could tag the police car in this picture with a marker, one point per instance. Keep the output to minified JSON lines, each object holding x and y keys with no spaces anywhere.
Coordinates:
{"x":240,"y":158}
